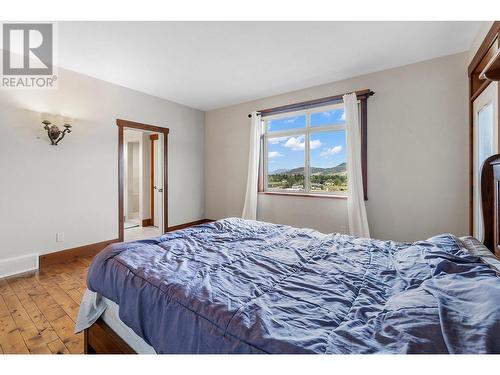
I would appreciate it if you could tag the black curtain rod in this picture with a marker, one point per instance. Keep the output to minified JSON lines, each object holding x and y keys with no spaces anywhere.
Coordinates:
{"x":362,"y":95}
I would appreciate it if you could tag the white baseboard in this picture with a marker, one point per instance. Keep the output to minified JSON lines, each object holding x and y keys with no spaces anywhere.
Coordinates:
{"x":13,"y":266}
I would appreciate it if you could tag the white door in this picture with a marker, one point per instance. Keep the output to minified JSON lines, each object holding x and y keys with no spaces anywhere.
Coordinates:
{"x":485,"y":125}
{"x":158,"y":183}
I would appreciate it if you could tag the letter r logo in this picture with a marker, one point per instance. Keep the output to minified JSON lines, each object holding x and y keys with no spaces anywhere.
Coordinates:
{"x":27,"y":49}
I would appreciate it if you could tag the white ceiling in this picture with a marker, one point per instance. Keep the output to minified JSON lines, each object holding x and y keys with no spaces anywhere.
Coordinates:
{"x":208,"y":65}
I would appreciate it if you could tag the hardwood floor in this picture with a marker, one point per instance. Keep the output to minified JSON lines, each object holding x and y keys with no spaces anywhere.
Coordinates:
{"x":38,"y":311}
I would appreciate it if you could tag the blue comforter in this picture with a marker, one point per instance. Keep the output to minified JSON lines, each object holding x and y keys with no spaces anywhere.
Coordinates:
{"x":237,"y":286}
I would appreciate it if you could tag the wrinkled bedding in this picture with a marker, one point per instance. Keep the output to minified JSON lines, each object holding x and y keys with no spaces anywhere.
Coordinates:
{"x":239,"y":286}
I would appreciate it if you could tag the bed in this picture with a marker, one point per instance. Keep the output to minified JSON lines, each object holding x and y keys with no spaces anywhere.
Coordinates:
{"x":238,"y":286}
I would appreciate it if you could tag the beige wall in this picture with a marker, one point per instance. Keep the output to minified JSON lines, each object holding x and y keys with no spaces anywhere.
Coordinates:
{"x":72,"y":188}
{"x":417,"y":155}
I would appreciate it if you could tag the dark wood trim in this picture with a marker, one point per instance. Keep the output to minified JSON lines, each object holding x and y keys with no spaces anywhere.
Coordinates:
{"x":140,"y":126}
{"x":361,"y":94}
{"x":492,"y":69}
{"x":122,"y":124}
{"x":152,"y":139}
{"x":480,"y":90}
{"x":146,"y":222}
{"x":99,"y":338}
{"x":364,"y":146}
{"x":190,"y":224}
{"x":68,"y":255}
{"x":121,"y":185}
{"x":485,"y":45}
{"x":471,"y":160}
{"x":327,"y":196}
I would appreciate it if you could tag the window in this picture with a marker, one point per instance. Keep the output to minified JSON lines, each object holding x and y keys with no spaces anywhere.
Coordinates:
{"x":305,"y":151}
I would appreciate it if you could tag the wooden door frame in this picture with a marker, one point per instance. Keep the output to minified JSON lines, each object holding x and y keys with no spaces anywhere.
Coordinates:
{"x":475,"y":89}
{"x":125,"y":124}
{"x":152,"y":139}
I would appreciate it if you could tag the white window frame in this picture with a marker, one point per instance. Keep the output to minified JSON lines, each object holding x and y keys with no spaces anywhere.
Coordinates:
{"x":306,"y":132}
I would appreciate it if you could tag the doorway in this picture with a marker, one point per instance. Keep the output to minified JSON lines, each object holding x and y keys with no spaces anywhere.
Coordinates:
{"x":142,"y":180}
{"x":156,"y":190}
{"x":133,"y":178}
{"x":485,"y":144}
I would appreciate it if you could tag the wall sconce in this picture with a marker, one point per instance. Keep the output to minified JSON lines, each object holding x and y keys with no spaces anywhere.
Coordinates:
{"x":53,"y":131}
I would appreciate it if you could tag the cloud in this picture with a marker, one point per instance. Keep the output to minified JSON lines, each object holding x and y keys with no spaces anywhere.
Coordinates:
{"x":291,"y":120}
{"x":295,"y":143}
{"x":275,"y":141}
{"x":335,"y":113}
{"x":331,"y":151}
{"x":298,"y":143}
{"x":314,"y":144}
{"x":274,"y":154}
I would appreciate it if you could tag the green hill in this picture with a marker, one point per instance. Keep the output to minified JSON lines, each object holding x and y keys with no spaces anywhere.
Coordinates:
{"x":314,"y":170}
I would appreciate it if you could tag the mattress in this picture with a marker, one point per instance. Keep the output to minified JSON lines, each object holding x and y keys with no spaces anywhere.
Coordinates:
{"x":237,"y":286}
{"x":94,"y":306}
{"x":112,"y":319}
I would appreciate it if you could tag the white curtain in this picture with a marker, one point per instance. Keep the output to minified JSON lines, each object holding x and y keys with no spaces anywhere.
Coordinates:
{"x":356,"y":210}
{"x":250,"y":207}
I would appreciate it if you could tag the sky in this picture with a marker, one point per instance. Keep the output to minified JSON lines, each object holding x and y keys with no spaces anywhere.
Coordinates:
{"x":328,"y":149}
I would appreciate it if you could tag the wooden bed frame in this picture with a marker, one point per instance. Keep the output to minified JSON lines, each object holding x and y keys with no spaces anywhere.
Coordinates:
{"x":101,"y":339}
{"x":490,"y":194}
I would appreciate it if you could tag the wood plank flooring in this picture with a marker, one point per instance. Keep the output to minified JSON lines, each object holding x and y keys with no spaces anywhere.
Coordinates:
{"x":38,"y":311}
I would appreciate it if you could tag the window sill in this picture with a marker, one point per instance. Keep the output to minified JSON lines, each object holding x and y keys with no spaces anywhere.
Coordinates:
{"x":329,"y":196}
